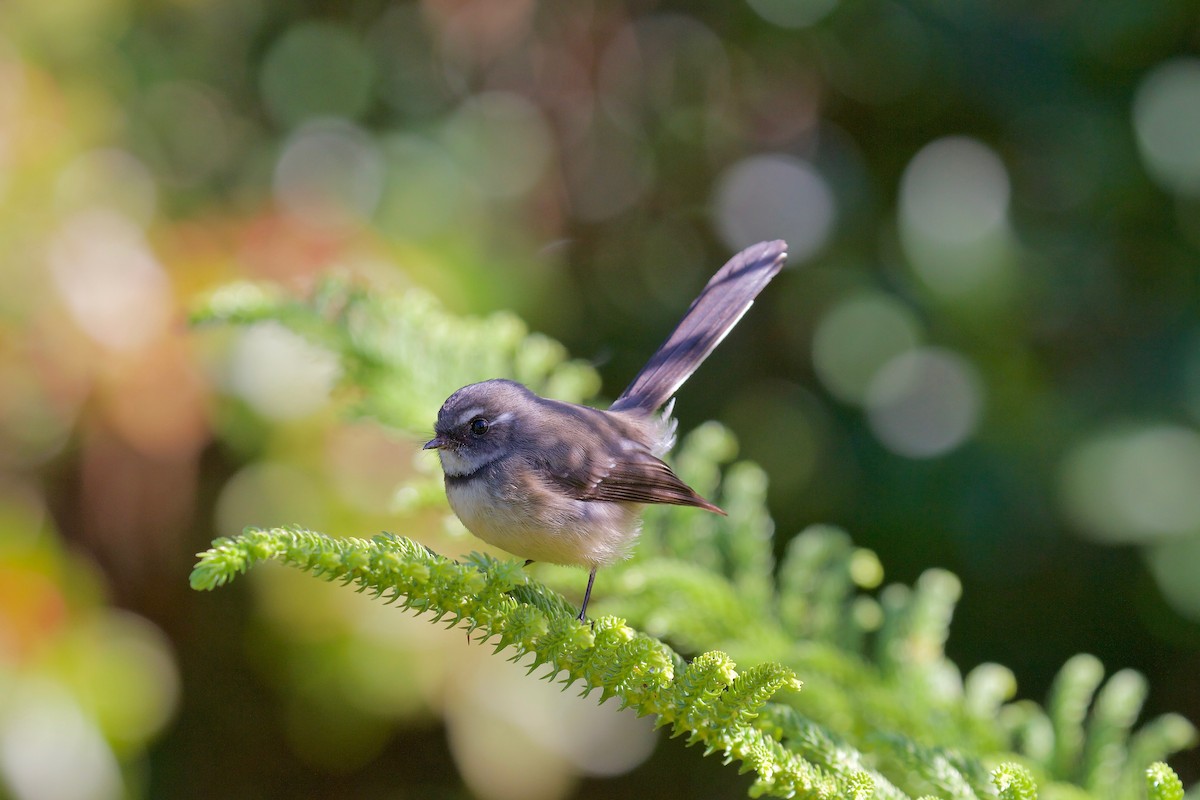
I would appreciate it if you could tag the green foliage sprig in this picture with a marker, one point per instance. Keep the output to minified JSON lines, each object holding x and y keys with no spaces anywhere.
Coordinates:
{"x":884,"y":713}
{"x":708,"y":699}
{"x":400,"y":352}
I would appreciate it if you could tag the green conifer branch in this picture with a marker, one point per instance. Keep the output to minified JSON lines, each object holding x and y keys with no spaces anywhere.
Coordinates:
{"x":708,"y":699}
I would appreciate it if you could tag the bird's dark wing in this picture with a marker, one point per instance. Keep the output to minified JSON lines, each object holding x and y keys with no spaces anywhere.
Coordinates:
{"x":635,"y":477}
{"x":589,"y":454}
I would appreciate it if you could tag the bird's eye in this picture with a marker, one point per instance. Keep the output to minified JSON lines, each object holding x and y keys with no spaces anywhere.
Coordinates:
{"x":479,"y":426}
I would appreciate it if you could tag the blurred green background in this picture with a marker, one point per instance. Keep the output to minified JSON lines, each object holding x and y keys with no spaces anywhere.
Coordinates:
{"x":985,"y":355}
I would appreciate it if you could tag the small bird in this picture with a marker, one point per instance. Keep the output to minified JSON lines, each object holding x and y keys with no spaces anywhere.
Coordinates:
{"x":564,"y":483}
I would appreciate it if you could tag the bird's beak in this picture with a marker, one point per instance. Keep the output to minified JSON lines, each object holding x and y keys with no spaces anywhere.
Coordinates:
{"x":434,"y":443}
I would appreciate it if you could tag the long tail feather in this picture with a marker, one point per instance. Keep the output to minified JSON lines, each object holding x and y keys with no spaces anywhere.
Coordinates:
{"x":728,"y":295}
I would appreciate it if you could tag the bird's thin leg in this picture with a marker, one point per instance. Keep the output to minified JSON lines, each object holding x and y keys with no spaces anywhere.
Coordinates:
{"x":587,"y":594}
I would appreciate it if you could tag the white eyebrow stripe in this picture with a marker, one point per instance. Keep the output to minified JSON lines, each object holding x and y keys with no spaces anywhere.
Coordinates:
{"x":469,"y":414}
{"x":479,"y":411}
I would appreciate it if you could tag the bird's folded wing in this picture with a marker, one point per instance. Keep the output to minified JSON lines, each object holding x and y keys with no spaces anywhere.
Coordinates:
{"x":640,"y":478}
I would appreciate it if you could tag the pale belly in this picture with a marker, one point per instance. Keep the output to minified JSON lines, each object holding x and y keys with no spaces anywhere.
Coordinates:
{"x":563,"y":531}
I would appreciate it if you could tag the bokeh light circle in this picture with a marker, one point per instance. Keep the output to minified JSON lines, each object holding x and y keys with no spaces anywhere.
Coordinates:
{"x":501,"y":141}
{"x":775,"y":197}
{"x":43,"y":728}
{"x":1166,"y":119}
{"x":279,"y":373}
{"x":953,"y":221}
{"x":792,"y":13}
{"x":1135,"y":484}
{"x":925,"y":402}
{"x":110,"y":281}
{"x":954,"y":190}
{"x":329,"y":175}
{"x":671,"y":63}
{"x":193,"y":131}
{"x":608,"y":172}
{"x":856,"y":337}
{"x":316,"y":70}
